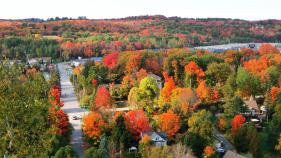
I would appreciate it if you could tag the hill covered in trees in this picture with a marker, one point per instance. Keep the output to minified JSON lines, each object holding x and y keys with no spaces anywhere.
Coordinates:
{"x":83,"y":37}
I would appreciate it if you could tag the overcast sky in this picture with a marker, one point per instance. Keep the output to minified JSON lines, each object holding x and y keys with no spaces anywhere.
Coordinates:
{"x":97,"y":9}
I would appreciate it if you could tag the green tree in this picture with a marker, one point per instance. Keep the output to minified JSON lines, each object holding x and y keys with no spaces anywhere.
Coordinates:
{"x":196,"y":143}
{"x":234,"y":106}
{"x":247,"y":83}
{"x":246,"y":139}
{"x":146,"y":94}
{"x":218,"y":73}
{"x":230,"y":87}
{"x":65,"y":152}
{"x":200,"y":124}
{"x":120,"y":135}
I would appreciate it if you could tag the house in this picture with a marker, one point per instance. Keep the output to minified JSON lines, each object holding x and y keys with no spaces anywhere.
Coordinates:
{"x":36,"y":61}
{"x":157,"y":78}
{"x":157,"y":139}
{"x":231,"y":154}
{"x":252,"y":105}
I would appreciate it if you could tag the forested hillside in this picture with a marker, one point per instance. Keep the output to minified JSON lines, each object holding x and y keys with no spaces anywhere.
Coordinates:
{"x":63,"y":37}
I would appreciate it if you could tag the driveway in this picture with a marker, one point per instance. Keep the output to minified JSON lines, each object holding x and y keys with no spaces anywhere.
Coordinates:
{"x":220,"y":137}
{"x":72,"y":108}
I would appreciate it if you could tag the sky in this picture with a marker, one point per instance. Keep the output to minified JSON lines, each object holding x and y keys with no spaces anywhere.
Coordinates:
{"x":100,"y":9}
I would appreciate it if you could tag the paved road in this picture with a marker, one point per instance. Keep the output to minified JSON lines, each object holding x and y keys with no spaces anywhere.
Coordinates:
{"x":71,"y":107}
{"x":220,"y":137}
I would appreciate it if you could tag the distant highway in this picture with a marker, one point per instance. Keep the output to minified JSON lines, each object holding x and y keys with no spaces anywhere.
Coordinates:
{"x":234,"y":46}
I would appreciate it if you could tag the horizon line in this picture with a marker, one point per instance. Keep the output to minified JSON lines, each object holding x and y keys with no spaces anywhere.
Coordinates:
{"x":124,"y":17}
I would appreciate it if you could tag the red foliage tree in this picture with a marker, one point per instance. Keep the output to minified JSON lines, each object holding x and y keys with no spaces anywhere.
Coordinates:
{"x":54,"y":97}
{"x":237,"y":122}
{"x":110,"y":60}
{"x":137,"y":122}
{"x":60,"y":120}
{"x":94,"y":82}
{"x":267,"y":48}
{"x":102,"y":98}
{"x":169,"y":123}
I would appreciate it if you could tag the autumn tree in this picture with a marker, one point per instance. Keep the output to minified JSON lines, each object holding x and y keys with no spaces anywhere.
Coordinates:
{"x":267,"y":48}
{"x":134,"y":63}
{"x":274,"y":91}
{"x":166,"y":91}
{"x":169,"y":123}
{"x":200,"y":124}
{"x":184,"y":100}
{"x":110,"y":60}
{"x":137,"y":122}
{"x":93,"y":125}
{"x":247,"y":84}
{"x":237,"y":122}
{"x":102,"y":98}
{"x":209,"y":151}
{"x":54,"y":97}
{"x":203,"y":92}
{"x":145,"y":95}
{"x":218,"y":73}
{"x":194,"y":74}
{"x":221,"y":124}
{"x":59,"y":119}
{"x":257,"y":67}
{"x":141,"y":74}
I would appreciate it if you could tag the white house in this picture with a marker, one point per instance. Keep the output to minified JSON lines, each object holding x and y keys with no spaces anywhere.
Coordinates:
{"x":157,"y":139}
{"x":157,"y":78}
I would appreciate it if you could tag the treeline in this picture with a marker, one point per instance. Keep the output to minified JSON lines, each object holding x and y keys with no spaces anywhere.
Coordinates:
{"x":32,"y":124}
{"x":23,"y":48}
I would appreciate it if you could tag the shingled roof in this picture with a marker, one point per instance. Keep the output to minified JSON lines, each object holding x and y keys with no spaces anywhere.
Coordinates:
{"x":252,"y":103}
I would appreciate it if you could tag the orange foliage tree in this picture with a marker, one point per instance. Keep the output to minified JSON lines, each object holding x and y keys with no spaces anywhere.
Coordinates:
{"x":137,"y":122}
{"x":193,"y":73}
{"x":257,"y":67}
{"x":176,"y":70}
{"x":166,"y":91}
{"x":203,"y":92}
{"x":237,"y":122}
{"x":274,"y":92}
{"x":267,"y":48}
{"x":93,"y":124}
{"x":184,"y":99}
{"x":102,"y":98}
{"x":169,"y":123}
{"x":134,"y":63}
{"x":221,"y":124}
{"x":209,"y":151}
